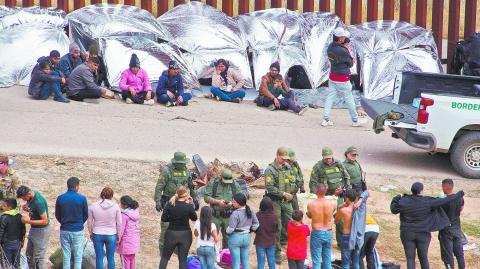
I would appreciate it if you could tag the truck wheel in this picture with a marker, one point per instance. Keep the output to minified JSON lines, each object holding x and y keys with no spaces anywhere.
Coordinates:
{"x":465,"y":155}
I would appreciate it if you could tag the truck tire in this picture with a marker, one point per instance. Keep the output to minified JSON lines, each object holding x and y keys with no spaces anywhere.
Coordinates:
{"x":465,"y":155}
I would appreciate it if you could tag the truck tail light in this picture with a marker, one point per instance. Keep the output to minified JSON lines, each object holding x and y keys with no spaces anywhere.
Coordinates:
{"x":422,"y":110}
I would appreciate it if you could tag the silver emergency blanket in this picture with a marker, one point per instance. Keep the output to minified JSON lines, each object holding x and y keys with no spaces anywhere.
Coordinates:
{"x":106,"y":20}
{"x":274,"y":35}
{"x":207,"y":35}
{"x":387,"y":48}
{"x":154,"y":58}
{"x":26,"y":35}
{"x":317,"y":31}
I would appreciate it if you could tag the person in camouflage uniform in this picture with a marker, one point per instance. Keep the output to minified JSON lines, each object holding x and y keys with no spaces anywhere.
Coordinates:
{"x":174,"y":175}
{"x":219,"y":195}
{"x":281,"y":185}
{"x":8,"y":178}
{"x":332,"y":174}
{"x":297,"y":171}
{"x":354,"y":170}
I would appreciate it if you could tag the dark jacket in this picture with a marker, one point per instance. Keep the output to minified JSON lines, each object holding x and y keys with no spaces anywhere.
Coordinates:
{"x":11,"y":227}
{"x":340,"y":59}
{"x":172,"y":84}
{"x":66,"y":64}
{"x":81,"y":78}
{"x":101,"y":75}
{"x":422,"y":213}
{"x":267,"y":231}
{"x":71,"y":210}
{"x":38,"y":79}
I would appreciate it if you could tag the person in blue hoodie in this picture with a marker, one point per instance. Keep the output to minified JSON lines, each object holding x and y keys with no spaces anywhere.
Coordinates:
{"x":12,"y":232}
{"x":170,"y":91}
{"x":69,"y":61}
{"x":71,"y":211}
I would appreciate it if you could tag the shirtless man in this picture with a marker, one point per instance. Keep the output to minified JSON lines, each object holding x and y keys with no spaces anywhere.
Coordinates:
{"x":321,"y":212}
{"x":345,"y":214}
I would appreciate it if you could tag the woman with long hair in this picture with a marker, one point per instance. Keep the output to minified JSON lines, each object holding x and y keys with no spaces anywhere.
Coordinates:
{"x":207,"y":234}
{"x":105,"y":227}
{"x":130,"y":243}
{"x":178,"y":211}
{"x":241,"y":223}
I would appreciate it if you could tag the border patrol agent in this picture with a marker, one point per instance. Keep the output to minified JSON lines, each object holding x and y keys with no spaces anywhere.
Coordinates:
{"x":355,"y":171}
{"x":8,"y":178}
{"x":297,"y":171}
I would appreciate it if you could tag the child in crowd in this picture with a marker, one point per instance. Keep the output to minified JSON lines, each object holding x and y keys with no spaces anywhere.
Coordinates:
{"x":265,"y":236}
{"x":12,"y":232}
{"x":130,"y":241}
{"x":207,"y":234}
{"x":297,"y":241}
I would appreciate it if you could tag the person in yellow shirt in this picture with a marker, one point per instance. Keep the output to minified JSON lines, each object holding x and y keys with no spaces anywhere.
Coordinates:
{"x":372,"y":230}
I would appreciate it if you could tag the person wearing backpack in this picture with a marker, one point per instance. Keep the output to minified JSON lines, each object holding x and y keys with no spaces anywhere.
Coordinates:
{"x":219,"y":195}
{"x":207,"y":234}
{"x":130,"y":241}
{"x":12,"y":232}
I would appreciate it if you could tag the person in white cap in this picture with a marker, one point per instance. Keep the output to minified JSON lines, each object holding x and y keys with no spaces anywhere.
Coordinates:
{"x":339,"y":80}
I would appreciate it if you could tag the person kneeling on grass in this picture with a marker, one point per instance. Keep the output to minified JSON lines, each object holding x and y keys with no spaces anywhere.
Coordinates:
{"x":44,"y":83}
{"x":135,"y":85}
{"x":227,"y":83}
{"x":82,"y":85}
{"x":170,"y":90}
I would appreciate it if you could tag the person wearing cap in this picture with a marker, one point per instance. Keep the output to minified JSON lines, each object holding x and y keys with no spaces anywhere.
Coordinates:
{"x":419,"y":216}
{"x":341,"y":61}
{"x":219,"y":193}
{"x":355,"y":171}
{"x":332,"y":174}
{"x":135,"y":85}
{"x":82,"y":85}
{"x":170,"y":91}
{"x":8,"y":178}
{"x":71,"y":60}
{"x":297,"y":171}
{"x":101,"y":75}
{"x":172,"y":176}
{"x":227,"y":83}
{"x":281,"y":185}
{"x":272,"y":87}
{"x":44,"y":83}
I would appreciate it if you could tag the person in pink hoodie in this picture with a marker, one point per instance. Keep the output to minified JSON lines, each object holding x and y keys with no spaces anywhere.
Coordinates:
{"x":130,"y":243}
{"x":105,"y":227}
{"x":135,"y":85}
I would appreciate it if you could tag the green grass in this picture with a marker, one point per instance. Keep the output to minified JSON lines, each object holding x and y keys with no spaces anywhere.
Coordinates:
{"x":471,"y":229}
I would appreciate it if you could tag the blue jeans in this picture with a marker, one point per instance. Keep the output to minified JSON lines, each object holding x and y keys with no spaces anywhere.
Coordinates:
{"x":50,"y":88}
{"x":239,"y":245}
{"x":12,"y":252}
{"x":348,"y":255}
{"x":72,"y":242}
{"x":110,"y":242}
{"x":269,"y":253}
{"x":321,"y":249}
{"x":345,"y":90}
{"x":206,"y":255}
{"x":163,"y":98}
{"x":227,"y":96}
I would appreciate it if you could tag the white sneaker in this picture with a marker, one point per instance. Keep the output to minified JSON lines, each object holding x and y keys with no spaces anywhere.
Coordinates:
{"x":148,"y":102}
{"x":326,"y":123}
{"x":129,"y":101}
{"x":360,"y":122}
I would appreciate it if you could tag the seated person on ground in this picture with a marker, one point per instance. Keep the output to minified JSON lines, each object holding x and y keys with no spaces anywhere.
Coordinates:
{"x":53,"y":60}
{"x":227,"y":83}
{"x":170,"y":89}
{"x":101,"y":75}
{"x":81,"y":83}
{"x":272,"y":87}
{"x":135,"y":85}
{"x":71,"y":60}
{"x":44,"y":83}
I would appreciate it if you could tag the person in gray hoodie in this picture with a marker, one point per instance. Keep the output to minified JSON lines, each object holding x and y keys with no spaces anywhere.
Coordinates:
{"x":82,"y":83}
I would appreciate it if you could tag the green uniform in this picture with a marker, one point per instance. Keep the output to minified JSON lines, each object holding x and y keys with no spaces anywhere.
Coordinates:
{"x":280,"y":179}
{"x":297,"y":172}
{"x":219,"y":190}
{"x":8,"y":184}
{"x":170,"y":179}
{"x":355,"y":172}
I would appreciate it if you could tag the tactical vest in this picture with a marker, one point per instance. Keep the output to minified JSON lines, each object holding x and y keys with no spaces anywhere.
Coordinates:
{"x":225,"y":195}
{"x":286,"y":181}
{"x":175,"y":179}
{"x":334,"y":176}
{"x":355,"y":172}
{"x":8,"y":186}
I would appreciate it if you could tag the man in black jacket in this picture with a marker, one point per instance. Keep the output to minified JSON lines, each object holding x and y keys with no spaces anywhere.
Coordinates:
{"x":419,"y":216}
{"x":12,"y":232}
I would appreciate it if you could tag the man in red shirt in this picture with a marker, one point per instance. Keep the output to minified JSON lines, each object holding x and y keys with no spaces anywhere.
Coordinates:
{"x":297,"y":241}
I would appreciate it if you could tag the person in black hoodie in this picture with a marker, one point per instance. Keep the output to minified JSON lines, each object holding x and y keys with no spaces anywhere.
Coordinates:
{"x":419,"y":216}
{"x":12,"y":232}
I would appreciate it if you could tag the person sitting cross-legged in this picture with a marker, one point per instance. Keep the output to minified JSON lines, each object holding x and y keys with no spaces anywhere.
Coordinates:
{"x":44,"y":83}
{"x":227,"y":83}
{"x":82,"y":85}
{"x":135,"y":85}
{"x":170,"y":91}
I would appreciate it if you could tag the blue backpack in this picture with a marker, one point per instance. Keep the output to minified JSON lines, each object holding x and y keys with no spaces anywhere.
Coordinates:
{"x":193,"y":262}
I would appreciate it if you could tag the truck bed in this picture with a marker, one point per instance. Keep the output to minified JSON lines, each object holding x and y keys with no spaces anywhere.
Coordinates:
{"x":375,"y":108}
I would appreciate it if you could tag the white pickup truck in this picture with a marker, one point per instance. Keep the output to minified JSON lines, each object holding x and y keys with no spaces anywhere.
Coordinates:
{"x":437,"y":113}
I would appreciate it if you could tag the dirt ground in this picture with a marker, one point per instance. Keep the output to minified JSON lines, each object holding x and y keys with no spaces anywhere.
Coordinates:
{"x":138,"y":178}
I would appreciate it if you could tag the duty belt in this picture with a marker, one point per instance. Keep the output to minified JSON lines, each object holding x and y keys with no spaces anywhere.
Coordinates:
{"x":222,"y":213}
{"x":275,"y":198}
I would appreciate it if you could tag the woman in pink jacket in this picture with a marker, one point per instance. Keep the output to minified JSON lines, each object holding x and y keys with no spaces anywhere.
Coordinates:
{"x":130,"y":243}
{"x":105,"y":227}
{"x":135,"y":85}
